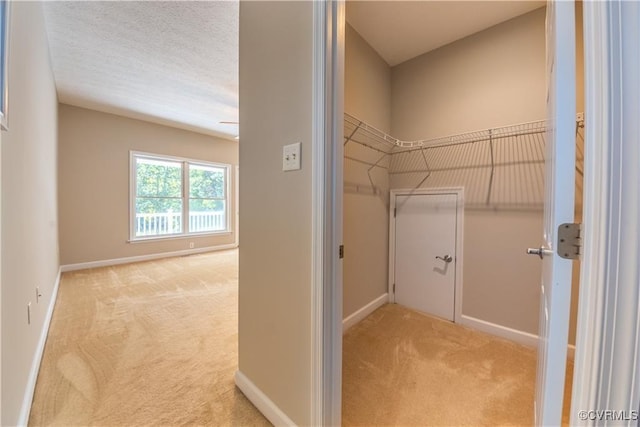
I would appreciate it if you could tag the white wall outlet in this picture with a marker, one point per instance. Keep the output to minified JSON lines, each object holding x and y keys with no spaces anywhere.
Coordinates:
{"x":291,"y":157}
{"x":191,"y":245}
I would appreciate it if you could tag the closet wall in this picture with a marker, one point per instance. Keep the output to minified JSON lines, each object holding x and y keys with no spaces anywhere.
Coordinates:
{"x":366,"y":216}
{"x":493,"y":78}
{"x":490,"y":79}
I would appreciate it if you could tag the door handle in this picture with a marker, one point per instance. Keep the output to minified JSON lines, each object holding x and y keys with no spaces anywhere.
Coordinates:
{"x":541,"y":252}
{"x":447,"y":258}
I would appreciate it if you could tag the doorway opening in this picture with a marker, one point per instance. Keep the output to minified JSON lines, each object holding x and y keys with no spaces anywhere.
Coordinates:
{"x":439,"y":98}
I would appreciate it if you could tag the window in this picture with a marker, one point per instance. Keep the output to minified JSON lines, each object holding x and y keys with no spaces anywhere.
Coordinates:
{"x":173,"y":197}
{"x":4,"y":58}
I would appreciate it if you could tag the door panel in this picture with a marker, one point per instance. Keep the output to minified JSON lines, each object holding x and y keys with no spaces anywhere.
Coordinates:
{"x":555,"y":292}
{"x":425,"y":228}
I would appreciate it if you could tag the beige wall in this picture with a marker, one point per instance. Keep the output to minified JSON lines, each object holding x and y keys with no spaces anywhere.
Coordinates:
{"x":493,"y":78}
{"x":366,"y":216}
{"x":276,"y":66}
{"x":94,"y":182}
{"x":29,"y":203}
{"x":367,"y":82}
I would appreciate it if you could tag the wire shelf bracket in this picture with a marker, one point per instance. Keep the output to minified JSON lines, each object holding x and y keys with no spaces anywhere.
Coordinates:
{"x":500,"y":168}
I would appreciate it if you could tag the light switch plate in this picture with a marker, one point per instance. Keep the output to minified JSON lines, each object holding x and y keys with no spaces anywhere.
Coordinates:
{"x":291,"y":157}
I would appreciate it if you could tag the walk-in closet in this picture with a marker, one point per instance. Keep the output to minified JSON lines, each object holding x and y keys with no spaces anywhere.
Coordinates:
{"x":444,"y":191}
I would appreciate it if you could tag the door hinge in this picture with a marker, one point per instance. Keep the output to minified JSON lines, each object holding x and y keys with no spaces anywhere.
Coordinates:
{"x":394,"y":212}
{"x":394,"y":288}
{"x":569,"y":245}
{"x":341,"y":252}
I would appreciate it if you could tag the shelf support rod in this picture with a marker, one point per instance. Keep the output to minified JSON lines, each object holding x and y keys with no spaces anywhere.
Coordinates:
{"x":347,"y":139}
{"x":492,"y":167}
{"x":426,"y":163}
{"x":369,"y":172}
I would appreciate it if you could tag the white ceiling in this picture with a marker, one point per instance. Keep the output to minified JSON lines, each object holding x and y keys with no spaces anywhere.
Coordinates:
{"x":176,"y":62}
{"x":169,"y":62}
{"x":401,"y":30}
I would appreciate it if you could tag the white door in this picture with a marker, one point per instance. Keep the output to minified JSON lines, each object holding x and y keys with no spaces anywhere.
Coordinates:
{"x":559,"y":209}
{"x":425,"y":252}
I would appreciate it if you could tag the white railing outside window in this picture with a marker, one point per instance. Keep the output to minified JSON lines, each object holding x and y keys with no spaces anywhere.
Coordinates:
{"x":155,"y":224}
{"x":206,"y":221}
{"x":173,"y":197}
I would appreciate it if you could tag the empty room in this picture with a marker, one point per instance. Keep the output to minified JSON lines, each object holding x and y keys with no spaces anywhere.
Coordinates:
{"x":319,"y":213}
{"x":120,"y":231}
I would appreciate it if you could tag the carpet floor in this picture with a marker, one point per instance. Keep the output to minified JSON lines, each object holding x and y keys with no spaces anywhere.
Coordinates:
{"x":403,"y":368}
{"x":152,"y":343}
{"x":155,"y":343}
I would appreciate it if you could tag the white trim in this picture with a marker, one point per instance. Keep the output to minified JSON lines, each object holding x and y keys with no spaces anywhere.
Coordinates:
{"x":184,"y":165}
{"x":179,"y":236}
{"x":236,"y":184}
{"x":521,"y":337}
{"x":265,"y":405}
{"x":515,"y":335}
{"x":168,"y":157}
{"x":459,"y":191}
{"x":318,"y":352}
{"x":4,"y":123}
{"x":607,"y":375}
{"x":23,"y":418}
{"x":363,"y":312}
{"x":592,"y":298}
{"x":327,"y":185}
{"x":139,"y":258}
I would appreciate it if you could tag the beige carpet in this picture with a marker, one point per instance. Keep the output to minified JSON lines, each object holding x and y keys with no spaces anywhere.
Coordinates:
{"x":402,"y":368}
{"x":151,"y":343}
{"x":155,"y":343}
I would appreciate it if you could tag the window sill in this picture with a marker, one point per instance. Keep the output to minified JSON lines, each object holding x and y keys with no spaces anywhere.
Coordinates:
{"x":150,"y":239}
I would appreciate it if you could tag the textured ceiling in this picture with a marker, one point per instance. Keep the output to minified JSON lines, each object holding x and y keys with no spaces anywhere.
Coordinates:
{"x":169,"y":62}
{"x":176,"y":62}
{"x":401,"y":30}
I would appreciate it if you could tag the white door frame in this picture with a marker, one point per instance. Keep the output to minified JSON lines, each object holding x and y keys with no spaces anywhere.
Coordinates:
{"x":607,"y":372}
{"x":237,"y":204}
{"x":458,"y":191}
{"x":327,"y":189}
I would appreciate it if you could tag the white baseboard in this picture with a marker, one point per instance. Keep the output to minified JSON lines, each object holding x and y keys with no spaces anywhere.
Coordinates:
{"x":23,"y":418}
{"x":262,"y":402}
{"x":128,"y":260}
{"x":359,"y":315}
{"x":515,"y":335}
{"x":524,"y":338}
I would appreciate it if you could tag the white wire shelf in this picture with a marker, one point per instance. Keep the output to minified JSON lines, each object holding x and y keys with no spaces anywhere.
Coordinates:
{"x":500,"y":168}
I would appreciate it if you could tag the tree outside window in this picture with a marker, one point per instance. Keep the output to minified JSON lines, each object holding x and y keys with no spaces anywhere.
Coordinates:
{"x":175,"y":197}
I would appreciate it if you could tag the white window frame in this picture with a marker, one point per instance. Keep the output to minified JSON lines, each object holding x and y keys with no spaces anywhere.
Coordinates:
{"x":133,"y":155}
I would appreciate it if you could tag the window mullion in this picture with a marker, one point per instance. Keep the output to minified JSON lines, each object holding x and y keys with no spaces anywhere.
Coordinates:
{"x":185,"y":197}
